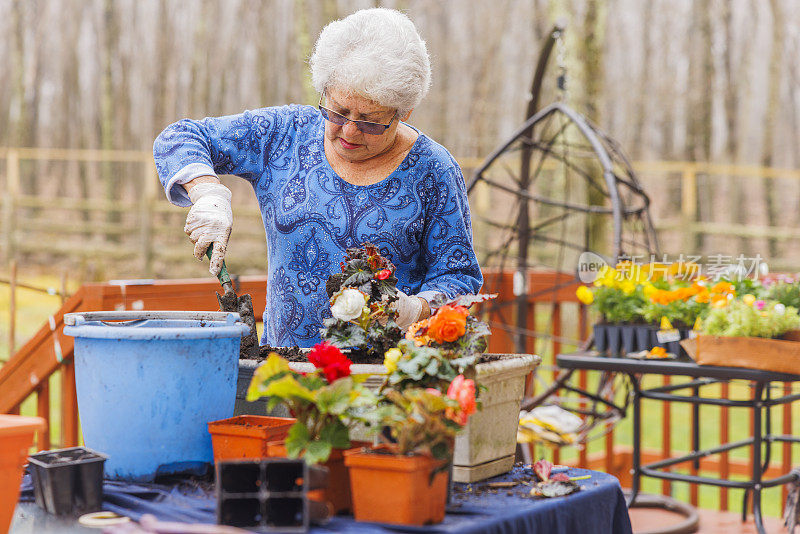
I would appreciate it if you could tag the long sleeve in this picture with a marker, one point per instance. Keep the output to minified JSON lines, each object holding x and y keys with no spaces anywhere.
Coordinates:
{"x":235,"y":144}
{"x":452,"y":267}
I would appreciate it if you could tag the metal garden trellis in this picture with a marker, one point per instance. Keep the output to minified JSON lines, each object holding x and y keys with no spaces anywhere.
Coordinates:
{"x":573,"y":191}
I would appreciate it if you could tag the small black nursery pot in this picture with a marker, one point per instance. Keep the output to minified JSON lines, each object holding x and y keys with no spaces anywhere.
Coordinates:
{"x":68,"y":481}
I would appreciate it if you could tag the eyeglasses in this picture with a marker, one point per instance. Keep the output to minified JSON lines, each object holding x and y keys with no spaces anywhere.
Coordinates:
{"x":371,"y":128}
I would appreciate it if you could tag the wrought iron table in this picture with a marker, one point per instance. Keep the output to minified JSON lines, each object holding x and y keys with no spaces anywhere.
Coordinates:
{"x":702,"y":375}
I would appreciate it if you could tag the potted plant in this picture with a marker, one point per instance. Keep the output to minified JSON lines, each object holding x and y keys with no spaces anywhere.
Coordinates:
{"x":451,"y":342}
{"x":405,"y":481}
{"x":326,"y":403}
{"x":749,"y":332}
{"x":618,"y":295}
{"x":363,"y":326}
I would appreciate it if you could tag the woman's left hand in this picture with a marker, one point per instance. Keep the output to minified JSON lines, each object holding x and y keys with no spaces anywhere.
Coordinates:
{"x":410,"y":309}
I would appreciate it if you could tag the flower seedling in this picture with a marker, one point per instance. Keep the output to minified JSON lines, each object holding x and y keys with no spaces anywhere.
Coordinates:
{"x":363,"y":320}
{"x":423,"y":421}
{"x":326,"y":402}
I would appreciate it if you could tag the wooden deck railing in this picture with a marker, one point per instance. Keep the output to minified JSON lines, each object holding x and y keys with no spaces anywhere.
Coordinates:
{"x":555,"y":318}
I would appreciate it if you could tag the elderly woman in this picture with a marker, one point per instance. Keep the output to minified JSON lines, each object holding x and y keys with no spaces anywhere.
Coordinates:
{"x":331,"y":177}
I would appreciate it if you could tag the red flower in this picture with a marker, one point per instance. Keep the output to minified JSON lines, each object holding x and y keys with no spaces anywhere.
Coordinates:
{"x":462,"y":390}
{"x":383,"y":274}
{"x":330,"y":359}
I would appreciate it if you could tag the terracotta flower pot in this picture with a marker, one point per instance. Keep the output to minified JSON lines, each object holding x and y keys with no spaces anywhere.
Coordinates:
{"x":390,"y":488}
{"x":16,"y":436}
{"x":338,"y":491}
{"x":246,"y":436}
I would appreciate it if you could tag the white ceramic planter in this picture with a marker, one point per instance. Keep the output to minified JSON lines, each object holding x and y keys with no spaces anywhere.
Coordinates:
{"x":487,"y":445}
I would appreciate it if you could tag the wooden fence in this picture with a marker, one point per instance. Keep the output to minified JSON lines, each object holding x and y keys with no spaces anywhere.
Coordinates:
{"x":138,"y":233}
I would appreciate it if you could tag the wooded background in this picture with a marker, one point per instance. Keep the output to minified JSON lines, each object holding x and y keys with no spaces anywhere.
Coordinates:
{"x":709,"y":81}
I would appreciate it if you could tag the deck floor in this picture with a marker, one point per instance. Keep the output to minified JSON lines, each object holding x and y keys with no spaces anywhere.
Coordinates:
{"x":711,"y":522}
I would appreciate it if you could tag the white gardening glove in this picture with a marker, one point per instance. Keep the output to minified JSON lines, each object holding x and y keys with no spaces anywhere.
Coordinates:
{"x":209,"y":222}
{"x":408,"y":308}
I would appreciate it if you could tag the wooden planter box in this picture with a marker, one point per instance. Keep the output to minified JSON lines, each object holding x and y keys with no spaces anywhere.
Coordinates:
{"x":777,"y":355}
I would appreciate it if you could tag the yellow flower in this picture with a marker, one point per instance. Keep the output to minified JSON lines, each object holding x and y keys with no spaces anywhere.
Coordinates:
{"x":584,"y":295}
{"x":648,"y":290}
{"x":606,"y":277}
{"x":749,"y":299}
{"x":390,"y":359}
{"x":654,"y":271}
{"x":627,"y":286}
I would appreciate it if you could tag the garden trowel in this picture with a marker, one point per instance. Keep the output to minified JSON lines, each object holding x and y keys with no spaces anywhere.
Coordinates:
{"x":230,"y":302}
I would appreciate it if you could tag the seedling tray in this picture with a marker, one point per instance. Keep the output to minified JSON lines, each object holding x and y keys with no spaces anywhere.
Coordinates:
{"x":270,"y":495}
{"x":68,"y":481}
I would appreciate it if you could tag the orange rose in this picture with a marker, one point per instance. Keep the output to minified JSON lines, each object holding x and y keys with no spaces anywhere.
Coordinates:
{"x":448,"y":324}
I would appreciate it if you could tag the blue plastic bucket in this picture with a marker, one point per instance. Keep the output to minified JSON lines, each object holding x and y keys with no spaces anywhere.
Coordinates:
{"x":149,"y":382}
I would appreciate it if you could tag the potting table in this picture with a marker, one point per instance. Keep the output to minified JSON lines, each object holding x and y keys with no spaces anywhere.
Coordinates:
{"x":703,"y":375}
{"x":599,"y":508}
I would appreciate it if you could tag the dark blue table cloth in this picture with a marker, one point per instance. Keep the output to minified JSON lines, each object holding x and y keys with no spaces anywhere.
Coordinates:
{"x":599,"y":508}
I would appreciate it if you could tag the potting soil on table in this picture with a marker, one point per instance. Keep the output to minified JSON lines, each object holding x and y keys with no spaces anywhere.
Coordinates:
{"x":599,"y":508}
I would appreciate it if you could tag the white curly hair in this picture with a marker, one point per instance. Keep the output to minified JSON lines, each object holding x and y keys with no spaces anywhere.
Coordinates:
{"x":376,"y":53}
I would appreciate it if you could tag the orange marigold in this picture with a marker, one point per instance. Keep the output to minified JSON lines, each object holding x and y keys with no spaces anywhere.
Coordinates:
{"x":703,"y":296}
{"x":722,"y":287}
{"x":448,"y":323}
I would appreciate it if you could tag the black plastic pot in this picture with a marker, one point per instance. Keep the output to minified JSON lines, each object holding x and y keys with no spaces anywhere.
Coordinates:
{"x":68,"y":481}
{"x":614,"y":337}
{"x":654,"y":342}
{"x":642,"y":337}
{"x":270,"y":495}
{"x":600,"y":339}
{"x":628,"y":335}
{"x":682,"y":354}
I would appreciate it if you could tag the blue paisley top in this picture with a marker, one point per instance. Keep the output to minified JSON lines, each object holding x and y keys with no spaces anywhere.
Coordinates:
{"x":418,"y":216}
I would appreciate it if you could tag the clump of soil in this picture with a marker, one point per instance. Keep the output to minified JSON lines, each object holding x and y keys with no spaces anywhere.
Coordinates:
{"x":296,"y":354}
{"x":292,"y":354}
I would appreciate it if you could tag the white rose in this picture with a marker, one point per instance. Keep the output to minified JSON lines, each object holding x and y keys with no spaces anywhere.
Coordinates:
{"x":349,"y":304}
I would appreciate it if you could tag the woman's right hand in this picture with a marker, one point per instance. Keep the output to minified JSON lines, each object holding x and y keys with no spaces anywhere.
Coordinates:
{"x":209,"y":221}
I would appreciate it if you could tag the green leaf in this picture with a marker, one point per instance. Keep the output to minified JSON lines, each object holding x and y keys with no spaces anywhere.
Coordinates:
{"x":432,"y":368}
{"x":441,"y":450}
{"x":336,"y":434}
{"x":288,"y":387}
{"x":297,"y":439}
{"x":274,"y":367}
{"x":358,"y":279}
{"x":334,"y":399}
{"x":317,"y":452}
{"x":271,"y":367}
